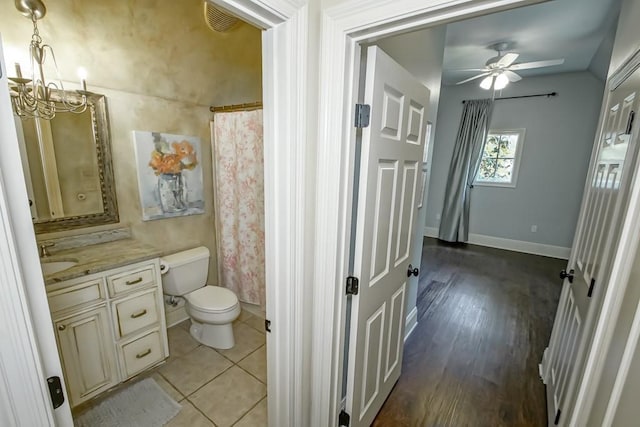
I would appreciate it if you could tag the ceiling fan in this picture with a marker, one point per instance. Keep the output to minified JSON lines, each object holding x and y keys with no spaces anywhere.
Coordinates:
{"x":500,"y":70}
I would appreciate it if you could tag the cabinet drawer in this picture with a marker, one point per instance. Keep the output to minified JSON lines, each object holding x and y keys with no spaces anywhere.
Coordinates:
{"x":76,"y":296}
{"x":130,"y":280}
{"x":135,"y":313}
{"x":141,"y":353}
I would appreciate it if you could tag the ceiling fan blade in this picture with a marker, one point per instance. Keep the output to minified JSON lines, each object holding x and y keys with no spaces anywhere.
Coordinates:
{"x":536,"y":64}
{"x":469,"y":69}
{"x":513,"y":77}
{"x":473,"y":78}
{"x":507,"y":60}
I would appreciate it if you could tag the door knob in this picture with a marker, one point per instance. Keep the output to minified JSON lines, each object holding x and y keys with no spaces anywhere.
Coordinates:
{"x":61,"y":327}
{"x":413,"y":271}
{"x":569,"y":275}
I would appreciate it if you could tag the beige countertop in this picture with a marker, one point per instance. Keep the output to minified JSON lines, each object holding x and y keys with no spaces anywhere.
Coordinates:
{"x":100,"y":257}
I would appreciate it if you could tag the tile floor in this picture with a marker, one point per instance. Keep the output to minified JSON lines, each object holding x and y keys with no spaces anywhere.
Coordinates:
{"x":218,"y":388}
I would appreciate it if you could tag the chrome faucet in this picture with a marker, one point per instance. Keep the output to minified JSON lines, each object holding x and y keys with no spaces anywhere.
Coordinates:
{"x":43,"y":249}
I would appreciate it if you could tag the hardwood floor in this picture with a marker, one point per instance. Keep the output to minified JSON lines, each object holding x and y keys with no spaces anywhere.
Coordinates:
{"x":484,"y":319}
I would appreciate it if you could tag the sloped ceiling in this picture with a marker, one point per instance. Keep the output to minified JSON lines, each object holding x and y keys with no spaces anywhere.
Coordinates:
{"x":569,"y":29}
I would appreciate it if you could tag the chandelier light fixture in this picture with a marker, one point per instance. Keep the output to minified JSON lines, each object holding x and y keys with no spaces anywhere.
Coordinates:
{"x":33,"y":97}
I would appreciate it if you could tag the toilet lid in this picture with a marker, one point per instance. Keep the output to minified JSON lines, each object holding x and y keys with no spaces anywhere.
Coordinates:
{"x":212,"y":299}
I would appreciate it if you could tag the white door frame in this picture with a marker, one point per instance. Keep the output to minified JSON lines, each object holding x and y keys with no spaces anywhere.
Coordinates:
{"x":284,"y":75}
{"x":306,"y":252}
{"x":344,"y":27}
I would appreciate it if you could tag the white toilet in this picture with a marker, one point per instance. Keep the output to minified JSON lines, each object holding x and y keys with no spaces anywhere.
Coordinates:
{"x":212,"y":308}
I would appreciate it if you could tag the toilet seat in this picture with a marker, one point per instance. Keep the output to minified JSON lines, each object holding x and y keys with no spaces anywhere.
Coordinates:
{"x":212,"y":299}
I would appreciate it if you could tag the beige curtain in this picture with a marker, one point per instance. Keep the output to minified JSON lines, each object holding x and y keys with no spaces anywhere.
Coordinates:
{"x":239,"y":203}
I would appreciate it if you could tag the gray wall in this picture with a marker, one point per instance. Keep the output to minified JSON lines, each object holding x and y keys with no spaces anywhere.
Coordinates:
{"x":421,"y":54}
{"x":557,"y":146}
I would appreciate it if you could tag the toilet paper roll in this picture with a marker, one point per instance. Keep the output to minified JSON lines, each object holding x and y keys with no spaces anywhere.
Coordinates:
{"x":164,"y":267}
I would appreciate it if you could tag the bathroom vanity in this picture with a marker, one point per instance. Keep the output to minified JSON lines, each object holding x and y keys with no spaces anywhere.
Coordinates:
{"x":108,"y":315}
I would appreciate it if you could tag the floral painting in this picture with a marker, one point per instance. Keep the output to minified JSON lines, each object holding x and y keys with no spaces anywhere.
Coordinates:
{"x":169,"y":174}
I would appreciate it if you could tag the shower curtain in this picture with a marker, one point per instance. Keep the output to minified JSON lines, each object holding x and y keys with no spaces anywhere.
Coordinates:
{"x":238,"y":170}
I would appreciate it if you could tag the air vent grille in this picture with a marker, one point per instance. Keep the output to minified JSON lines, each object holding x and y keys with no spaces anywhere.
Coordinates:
{"x":218,"y":20}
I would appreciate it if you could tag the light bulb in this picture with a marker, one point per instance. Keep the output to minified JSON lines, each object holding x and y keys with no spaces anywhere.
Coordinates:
{"x":487,"y":82}
{"x":82,"y":73}
{"x":501,"y":81}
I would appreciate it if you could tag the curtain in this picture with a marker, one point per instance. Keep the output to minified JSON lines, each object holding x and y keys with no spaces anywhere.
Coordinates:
{"x":467,"y":152}
{"x":238,"y":168}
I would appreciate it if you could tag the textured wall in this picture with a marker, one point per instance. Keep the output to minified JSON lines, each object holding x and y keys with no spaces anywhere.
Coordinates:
{"x":556,"y":150}
{"x":161,"y":68}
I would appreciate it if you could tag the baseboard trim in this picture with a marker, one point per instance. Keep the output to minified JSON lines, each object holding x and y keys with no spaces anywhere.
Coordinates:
{"x":511,"y":245}
{"x":410,"y":323}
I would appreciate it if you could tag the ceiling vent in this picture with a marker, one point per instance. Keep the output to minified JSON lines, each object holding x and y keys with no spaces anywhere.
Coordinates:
{"x":218,"y":20}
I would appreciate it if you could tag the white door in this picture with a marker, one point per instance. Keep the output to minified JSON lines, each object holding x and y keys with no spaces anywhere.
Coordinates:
{"x":391,"y":153}
{"x":599,"y":229}
{"x":28,"y":353}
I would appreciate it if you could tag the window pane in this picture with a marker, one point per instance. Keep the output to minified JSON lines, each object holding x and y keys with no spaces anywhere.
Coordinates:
{"x":487,"y":170}
{"x":491,"y":146}
{"x":508,"y":144}
{"x":504,"y":168}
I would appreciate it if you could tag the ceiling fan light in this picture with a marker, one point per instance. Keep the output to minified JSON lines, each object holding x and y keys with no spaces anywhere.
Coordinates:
{"x":487,"y":82}
{"x":501,"y":81}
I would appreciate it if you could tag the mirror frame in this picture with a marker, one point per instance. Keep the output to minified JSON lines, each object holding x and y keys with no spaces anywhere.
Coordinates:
{"x":97,"y":104}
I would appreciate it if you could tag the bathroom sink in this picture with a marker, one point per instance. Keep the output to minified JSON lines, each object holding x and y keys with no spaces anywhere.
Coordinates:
{"x":55,"y":266}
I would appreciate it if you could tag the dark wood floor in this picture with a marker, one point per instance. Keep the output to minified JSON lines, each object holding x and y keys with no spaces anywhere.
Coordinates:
{"x":484,"y":319}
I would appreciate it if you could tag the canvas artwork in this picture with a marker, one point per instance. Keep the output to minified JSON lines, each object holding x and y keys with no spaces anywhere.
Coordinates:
{"x":169,"y":174}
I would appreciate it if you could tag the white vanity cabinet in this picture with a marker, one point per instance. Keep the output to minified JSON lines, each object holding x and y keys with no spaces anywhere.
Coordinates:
{"x":110,"y":326}
{"x":84,"y":342}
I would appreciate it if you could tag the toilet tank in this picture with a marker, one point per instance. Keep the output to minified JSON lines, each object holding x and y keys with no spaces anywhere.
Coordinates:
{"x":185,"y":271}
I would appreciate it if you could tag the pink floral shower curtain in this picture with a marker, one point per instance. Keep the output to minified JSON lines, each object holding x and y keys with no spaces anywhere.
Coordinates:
{"x":239,"y":203}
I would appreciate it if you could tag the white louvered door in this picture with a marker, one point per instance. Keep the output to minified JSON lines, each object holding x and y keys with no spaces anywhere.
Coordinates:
{"x":599,"y":229}
{"x":392,"y":148}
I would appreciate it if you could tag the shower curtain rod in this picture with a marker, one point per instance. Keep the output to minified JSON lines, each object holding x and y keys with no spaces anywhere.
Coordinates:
{"x":237,"y":107}
{"x":548,"y":95}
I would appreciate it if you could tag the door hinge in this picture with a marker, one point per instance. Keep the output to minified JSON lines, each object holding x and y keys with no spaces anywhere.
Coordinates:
{"x":363,"y":114}
{"x":344,"y":419}
{"x":267,"y":325}
{"x":56,"y":392}
{"x":593,"y":282}
{"x":629,"y":127}
{"x":352,"y":285}
{"x":557,"y":420}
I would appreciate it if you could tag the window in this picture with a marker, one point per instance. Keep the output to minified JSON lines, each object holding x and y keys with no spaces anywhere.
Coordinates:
{"x":500,"y":158}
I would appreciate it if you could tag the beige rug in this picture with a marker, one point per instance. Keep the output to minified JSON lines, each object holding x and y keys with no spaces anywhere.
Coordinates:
{"x":142,"y":404}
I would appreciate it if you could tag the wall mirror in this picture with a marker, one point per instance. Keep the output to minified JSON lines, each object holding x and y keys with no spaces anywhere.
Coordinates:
{"x":68,"y":168}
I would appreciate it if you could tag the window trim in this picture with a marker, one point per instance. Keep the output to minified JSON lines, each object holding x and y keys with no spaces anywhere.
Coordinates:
{"x":516,"y":160}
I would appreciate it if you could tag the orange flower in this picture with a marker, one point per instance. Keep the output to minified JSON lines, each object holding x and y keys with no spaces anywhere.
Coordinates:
{"x":182,"y":157}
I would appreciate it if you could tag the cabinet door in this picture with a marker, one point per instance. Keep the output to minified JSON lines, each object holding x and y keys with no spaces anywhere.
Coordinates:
{"x":87,"y":354}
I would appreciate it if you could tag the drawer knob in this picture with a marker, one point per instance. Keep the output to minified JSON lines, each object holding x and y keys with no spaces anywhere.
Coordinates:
{"x":61,"y":327}
{"x":133,"y":282}
{"x":139,"y":314}
{"x":143,"y":354}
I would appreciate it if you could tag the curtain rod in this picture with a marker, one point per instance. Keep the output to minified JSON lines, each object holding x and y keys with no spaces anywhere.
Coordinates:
{"x":237,"y":107}
{"x":548,"y":95}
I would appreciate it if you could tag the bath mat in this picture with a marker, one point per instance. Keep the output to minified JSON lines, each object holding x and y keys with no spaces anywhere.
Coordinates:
{"x":143,"y":404}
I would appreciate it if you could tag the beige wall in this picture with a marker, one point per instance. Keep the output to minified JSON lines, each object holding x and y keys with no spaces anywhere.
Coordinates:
{"x":160,"y":68}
